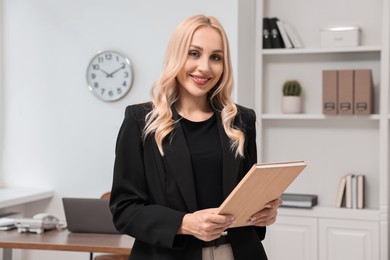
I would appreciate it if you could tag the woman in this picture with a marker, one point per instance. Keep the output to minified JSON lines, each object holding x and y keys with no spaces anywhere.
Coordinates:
{"x":180,"y":155}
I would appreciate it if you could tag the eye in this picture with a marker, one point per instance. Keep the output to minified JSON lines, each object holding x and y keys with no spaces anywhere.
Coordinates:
{"x":216,"y":57}
{"x":194,"y":53}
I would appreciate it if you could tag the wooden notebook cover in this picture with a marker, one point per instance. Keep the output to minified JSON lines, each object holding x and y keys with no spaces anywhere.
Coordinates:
{"x":263,"y":183}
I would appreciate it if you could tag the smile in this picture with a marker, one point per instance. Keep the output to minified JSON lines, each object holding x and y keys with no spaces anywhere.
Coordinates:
{"x":201,"y":80}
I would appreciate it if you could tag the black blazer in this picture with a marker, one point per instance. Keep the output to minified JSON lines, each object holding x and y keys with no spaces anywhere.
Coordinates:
{"x":151,"y":193}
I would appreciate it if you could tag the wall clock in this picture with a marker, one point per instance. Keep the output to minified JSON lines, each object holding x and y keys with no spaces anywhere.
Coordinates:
{"x":109,"y":75}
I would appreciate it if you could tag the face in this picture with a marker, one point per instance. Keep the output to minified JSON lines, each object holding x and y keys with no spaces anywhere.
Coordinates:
{"x":204,"y":65}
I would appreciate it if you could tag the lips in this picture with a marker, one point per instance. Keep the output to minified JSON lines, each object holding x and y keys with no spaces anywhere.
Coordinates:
{"x":200,"y":80}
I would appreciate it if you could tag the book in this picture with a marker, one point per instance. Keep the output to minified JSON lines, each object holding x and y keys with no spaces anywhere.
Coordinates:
{"x":330,"y":92}
{"x":348,"y":190}
{"x":263,"y":183}
{"x":360,"y":191}
{"x":283,"y":33}
{"x":267,"y":42}
{"x":354,"y":192}
{"x":294,"y":200}
{"x":276,"y":38}
{"x":340,"y":198}
{"x":363,"y":92}
{"x":292,"y":34}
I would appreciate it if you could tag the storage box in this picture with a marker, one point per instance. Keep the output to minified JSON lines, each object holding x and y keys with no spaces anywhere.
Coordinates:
{"x":347,"y":36}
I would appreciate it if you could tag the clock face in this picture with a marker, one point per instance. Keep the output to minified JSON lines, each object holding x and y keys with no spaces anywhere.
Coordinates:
{"x":109,"y":75}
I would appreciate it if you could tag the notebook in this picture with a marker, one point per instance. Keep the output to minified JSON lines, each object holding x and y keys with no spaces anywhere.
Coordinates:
{"x":88,"y":215}
{"x":263,"y":183}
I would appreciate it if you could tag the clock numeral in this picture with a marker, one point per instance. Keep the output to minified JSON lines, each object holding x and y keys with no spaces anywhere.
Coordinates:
{"x":95,"y":66}
{"x":108,"y":56}
{"x":100,"y":59}
{"x":117,"y":59}
{"x":93,"y":75}
{"x":124,"y":83}
{"x":126,"y":74}
{"x":119,"y":91}
{"x":96,"y":84}
{"x":102,"y":91}
{"x":110,"y":93}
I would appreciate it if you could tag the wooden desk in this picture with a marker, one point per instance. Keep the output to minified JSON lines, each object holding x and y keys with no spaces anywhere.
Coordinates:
{"x":64,"y":241}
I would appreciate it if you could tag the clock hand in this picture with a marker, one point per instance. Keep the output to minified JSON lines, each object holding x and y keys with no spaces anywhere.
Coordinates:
{"x":107,"y":74}
{"x":115,"y":71}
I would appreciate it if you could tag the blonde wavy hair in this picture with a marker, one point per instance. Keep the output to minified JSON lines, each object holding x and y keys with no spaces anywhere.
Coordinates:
{"x":164,"y":91}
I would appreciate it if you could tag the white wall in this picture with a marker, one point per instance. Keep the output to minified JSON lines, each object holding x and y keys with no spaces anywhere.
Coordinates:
{"x":54,"y":132}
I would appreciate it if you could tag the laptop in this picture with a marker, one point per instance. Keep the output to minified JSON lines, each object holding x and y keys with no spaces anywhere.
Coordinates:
{"x":88,"y":215}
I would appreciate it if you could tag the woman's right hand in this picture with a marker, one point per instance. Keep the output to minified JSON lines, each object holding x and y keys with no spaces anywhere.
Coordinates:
{"x":205,"y":224}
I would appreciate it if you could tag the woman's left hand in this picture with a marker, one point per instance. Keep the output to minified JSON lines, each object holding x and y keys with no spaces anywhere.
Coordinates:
{"x":266,"y":216}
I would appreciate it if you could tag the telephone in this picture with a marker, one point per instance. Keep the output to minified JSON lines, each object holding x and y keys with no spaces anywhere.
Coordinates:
{"x":37,"y":224}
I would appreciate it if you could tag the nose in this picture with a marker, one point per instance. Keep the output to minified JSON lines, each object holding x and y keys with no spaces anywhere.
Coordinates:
{"x":204,"y":64}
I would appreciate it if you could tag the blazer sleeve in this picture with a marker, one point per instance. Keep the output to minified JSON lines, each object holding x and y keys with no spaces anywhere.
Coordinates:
{"x":249,"y":125}
{"x":133,"y":213}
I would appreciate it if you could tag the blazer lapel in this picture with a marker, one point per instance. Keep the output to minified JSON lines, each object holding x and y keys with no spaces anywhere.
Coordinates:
{"x":178,"y":159}
{"x":230,"y":162}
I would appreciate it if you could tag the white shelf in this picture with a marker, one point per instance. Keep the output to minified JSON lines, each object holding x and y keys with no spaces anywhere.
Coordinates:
{"x":333,"y":213}
{"x":317,"y":117}
{"x":16,"y":196}
{"x":321,"y":50}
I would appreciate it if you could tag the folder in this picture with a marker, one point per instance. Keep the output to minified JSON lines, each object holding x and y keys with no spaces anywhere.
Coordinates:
{"x":276,"y":38}
{"x":363,"y":92}
{"x":329,"y":92}
{"x":267,"y":41}
{"x":263,"y":183}
{"x":345,"y":86}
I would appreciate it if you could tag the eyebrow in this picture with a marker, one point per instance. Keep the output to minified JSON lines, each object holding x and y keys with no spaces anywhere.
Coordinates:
{"x":200,"y":48}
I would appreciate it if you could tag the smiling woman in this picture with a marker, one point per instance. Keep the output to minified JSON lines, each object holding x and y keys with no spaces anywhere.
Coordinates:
{"x":180,"y":155}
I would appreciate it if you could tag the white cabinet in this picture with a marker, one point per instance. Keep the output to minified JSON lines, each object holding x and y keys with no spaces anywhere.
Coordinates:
{"x":332,"y":146}
{"x":323,"y":236}
{"x":346,"y":239}
{"x":292,"y":238}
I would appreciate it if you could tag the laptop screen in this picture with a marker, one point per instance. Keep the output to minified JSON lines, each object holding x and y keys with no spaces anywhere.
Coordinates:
{"x":88,"y":215}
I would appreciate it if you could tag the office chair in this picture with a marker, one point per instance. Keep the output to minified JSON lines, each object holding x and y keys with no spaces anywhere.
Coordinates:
{"x":110,"y":256}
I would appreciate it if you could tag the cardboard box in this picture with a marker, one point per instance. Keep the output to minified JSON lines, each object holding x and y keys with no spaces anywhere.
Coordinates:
{"x":340,"y":37}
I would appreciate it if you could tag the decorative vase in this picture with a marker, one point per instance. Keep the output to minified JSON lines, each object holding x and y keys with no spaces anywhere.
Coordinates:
{"x":291,"y":104}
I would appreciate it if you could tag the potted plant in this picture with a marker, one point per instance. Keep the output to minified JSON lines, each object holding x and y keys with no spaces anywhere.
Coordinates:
{"x":292,"y":100}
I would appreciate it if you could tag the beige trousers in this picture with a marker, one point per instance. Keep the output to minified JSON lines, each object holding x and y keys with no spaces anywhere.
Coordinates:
{"x":222,"y":252}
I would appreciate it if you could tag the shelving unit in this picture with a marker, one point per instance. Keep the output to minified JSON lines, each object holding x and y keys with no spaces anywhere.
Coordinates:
{"x":332,"y":146}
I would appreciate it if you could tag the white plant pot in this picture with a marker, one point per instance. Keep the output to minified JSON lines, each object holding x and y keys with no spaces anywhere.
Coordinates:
{"x":291,"y":104}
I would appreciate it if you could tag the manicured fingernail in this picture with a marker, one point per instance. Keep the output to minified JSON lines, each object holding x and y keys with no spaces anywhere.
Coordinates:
{"x":268,"y":206}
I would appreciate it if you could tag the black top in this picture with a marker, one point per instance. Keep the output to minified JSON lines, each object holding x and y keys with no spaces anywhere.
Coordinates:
{"x":206,"y":156}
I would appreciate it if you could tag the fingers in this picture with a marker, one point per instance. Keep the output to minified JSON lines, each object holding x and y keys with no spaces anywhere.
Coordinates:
{"x":205,"y":224}
{"x":267,"y":216}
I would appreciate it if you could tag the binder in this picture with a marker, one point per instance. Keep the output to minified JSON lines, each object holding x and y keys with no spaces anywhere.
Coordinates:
{"x":330,"y":92}
{"x":294,"y":200}
{"x":276,"y":38}
{"x":363,"y":92}
{"x":345,"y":92}
{"x":263,"y":183}
{"x":267,"y":42}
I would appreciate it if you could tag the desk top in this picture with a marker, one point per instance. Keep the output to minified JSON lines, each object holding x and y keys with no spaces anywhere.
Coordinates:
{"x":67,"y":241}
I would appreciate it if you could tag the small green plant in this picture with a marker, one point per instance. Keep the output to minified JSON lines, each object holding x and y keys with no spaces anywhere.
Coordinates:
{"x":292,"y":88}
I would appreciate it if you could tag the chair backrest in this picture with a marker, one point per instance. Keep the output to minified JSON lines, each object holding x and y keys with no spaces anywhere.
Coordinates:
{"x":106,"y":196}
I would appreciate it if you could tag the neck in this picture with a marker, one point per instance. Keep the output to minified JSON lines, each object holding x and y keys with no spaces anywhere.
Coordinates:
{"x":194,"y":110}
